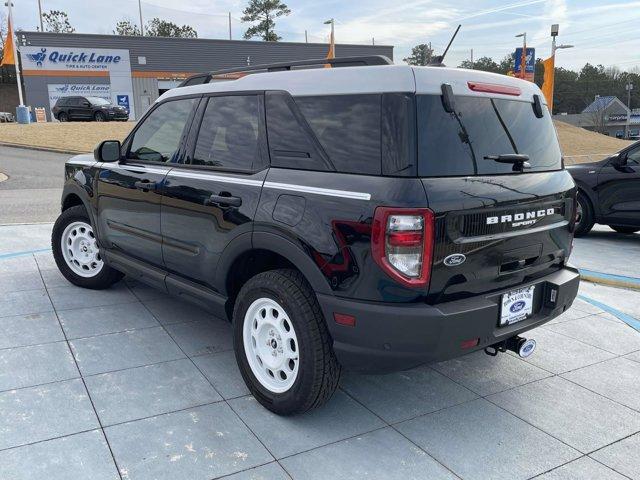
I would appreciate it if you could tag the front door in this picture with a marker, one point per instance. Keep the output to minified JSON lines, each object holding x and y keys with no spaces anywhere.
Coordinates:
{"x":129,"y":192}
{"x":619,"y":189}
{"x":212,"y":199}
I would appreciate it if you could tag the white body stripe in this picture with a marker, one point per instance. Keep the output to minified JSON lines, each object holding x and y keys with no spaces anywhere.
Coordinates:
{"x":215,"y":178}
{"x":318,"y":191}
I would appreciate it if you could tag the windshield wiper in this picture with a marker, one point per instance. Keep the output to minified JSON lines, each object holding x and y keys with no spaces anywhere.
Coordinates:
{"x":519,"y":161}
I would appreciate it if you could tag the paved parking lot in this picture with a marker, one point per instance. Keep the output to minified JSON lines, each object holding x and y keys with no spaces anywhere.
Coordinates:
{"x":131,"y":384}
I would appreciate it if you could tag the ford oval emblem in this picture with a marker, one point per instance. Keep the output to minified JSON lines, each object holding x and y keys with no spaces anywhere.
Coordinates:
{"x":516,"y":307}
{"x":454,"y":260}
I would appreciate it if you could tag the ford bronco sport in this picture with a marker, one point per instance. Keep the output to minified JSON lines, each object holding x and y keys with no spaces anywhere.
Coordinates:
{"x":373,"y":217}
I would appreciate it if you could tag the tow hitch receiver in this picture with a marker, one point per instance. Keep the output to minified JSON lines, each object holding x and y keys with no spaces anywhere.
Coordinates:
{"x":522,"y":346}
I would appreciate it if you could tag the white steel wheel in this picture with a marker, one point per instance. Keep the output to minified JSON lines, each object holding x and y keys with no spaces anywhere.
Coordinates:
{"x":270,"y":345}
{"x":80,"y":250}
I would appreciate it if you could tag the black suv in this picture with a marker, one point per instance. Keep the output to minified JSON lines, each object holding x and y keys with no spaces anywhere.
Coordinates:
{"x":609,"y":192}
{"x":97,"y":109}
{"x":369,"y":217}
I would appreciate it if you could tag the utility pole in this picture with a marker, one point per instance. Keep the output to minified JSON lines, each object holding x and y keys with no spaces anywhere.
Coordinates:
{"x":230,"y":26}
{"x":373,"y":41}
{"x":306,"y":39}
{"x":40,"y":13}
{"x":628,"y":87}
{"x":472,"y":58}
{"x":140,"y":12}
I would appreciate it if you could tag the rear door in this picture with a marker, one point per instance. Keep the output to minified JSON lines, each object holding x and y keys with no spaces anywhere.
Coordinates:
{"x":129,"y":192}
{"x":619,"y":189}
{"x":211,"y":199}
{"x":495,"y":227}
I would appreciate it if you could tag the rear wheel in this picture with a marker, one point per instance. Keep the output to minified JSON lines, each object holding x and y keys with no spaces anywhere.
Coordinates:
{"x":99,"y":117}
{"x":584,"y":215}
{"x":62,"y":117}
{"x":621,"y":229}
{"x":282,"y":344}
{"x":76,"y":252}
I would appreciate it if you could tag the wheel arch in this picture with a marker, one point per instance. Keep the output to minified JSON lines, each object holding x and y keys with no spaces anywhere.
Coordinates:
{"x":247,"y":256}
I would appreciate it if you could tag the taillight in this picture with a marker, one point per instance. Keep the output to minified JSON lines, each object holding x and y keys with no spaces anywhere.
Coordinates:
{"x":402,"y":243}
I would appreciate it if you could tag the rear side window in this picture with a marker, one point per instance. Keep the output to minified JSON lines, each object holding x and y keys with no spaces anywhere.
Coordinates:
{"x":228,"y":136}
{"x":348,"y":128}
{"x":456,"y":144}
{"x":62,"y":102}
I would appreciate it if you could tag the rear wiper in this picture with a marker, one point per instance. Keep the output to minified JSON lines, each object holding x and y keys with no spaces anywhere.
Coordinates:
{"x":519,"y":161}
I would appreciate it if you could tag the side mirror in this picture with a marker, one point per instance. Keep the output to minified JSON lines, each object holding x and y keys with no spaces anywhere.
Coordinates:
{"x":618,"y":159}
{"x":107,"y":151}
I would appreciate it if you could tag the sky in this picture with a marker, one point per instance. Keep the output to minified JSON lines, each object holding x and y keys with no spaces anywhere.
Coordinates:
{"x":602,"y":32}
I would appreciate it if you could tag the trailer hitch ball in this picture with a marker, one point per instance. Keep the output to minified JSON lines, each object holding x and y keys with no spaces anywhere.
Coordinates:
{"x":522,"y":346}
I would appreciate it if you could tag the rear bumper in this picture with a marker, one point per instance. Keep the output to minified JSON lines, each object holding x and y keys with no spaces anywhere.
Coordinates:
{"x":390,"y":337}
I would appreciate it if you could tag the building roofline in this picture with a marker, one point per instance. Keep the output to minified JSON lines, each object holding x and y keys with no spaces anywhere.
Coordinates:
{"x":211,"y":40}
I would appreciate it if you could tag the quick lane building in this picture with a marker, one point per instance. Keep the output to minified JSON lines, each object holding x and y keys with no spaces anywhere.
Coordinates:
{"x":134,"y":71}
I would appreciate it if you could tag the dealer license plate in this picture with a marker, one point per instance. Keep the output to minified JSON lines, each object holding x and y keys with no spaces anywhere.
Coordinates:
{"x":516,"y":305}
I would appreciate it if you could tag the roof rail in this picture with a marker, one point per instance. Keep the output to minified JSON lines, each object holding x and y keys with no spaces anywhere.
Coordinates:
{"x":363,"y":61}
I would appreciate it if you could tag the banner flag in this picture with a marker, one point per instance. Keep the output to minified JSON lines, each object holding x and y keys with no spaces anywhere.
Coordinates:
{"x":7,"y":58}
{"x":547,"y":86}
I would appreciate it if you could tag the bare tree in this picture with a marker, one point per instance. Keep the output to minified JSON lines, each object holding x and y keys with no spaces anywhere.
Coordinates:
{"x":598,"y":120}
{"x":57,"y":21}
{"x":127,"y":27}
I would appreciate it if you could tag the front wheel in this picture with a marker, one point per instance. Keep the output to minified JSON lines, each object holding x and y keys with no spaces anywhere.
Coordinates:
{"x":76,"y":252}
{"x":282,"y":344}
{"x":621,"y":229}
{"x":99,"y":117}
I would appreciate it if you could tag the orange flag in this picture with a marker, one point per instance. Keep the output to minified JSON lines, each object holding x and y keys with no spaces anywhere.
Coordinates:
{"x":7,"y":58}
{"x":547,"y":86}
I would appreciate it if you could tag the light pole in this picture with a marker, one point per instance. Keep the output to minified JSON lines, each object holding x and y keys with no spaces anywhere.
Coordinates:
{"x":555,"y":29}
{"x":15,"y":53}
{"x":140,"y":12}
{"x":332,"y":48}
{"x":628,"y":87}
{"x":40,"y":13}
{"x":523,"y":57}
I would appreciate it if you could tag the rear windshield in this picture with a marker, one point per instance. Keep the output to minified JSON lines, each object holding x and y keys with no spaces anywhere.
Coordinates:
{"x":456,"y":144}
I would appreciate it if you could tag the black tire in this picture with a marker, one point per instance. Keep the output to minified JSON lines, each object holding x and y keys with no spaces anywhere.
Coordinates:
{"x":621,"y":229}
{"x":106,"y":277}
{"x":99,"y":117}
{"x":63,"y":117}
{"x":319,"y":370}
{"x":585,"y":222}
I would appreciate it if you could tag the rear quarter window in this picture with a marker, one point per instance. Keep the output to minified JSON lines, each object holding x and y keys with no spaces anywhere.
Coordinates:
{"x":456,"y":144}
{"x":348,"y":128}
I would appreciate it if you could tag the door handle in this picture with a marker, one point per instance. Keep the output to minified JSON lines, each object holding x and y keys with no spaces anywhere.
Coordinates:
{"x":145,"y":185}
{"x":224,"y":199}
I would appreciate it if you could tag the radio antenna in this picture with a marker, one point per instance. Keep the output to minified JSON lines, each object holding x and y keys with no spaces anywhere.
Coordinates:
{"x":437,"y":61}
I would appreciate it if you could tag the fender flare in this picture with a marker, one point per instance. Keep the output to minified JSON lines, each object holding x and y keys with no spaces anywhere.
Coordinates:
{"x":81,"y":193}
{"x":277,"y":244}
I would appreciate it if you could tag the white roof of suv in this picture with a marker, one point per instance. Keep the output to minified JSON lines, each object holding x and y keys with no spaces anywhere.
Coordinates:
{"x":369,"y":79}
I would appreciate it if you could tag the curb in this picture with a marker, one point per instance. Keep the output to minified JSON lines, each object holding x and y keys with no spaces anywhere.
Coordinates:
{"x":41,"y":149}
{"x":611,"y":280}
